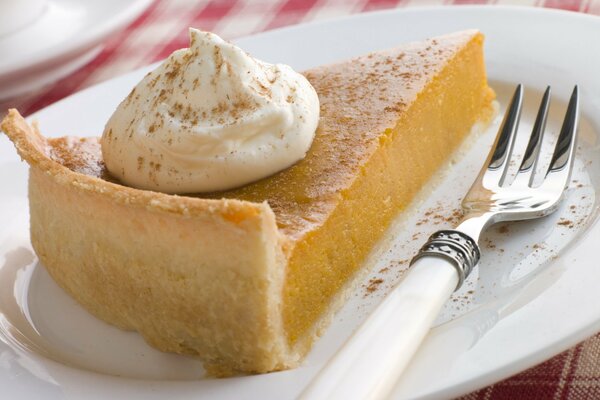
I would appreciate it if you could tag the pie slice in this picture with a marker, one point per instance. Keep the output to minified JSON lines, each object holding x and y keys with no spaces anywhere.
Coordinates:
{"x":248,"y":278}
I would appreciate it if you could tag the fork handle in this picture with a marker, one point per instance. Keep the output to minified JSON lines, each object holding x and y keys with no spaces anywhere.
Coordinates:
{"x":369,"y":364}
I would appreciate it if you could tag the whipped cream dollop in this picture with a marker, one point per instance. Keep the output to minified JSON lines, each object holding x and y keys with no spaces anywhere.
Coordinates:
{"x":210,"y":118}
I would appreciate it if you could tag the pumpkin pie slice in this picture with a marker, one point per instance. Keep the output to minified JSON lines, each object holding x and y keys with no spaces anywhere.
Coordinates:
{"x":248,"y":278}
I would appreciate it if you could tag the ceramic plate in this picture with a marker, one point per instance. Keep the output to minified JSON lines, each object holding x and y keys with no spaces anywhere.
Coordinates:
{"x":533,"y":295}
{"x":64,"y":36}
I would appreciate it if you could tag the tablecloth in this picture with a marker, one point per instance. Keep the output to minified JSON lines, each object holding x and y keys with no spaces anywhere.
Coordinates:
{"x":162,"y":28}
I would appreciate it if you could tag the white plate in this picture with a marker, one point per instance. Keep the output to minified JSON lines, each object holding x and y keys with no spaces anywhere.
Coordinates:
{"x":533,"y":296}
{"x":63,"y":33}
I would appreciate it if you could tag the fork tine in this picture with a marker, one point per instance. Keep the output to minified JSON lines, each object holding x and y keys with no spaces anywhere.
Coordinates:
{"x":531,"y":158}
{"x":498,"y":159}
{"x":562,"y":159}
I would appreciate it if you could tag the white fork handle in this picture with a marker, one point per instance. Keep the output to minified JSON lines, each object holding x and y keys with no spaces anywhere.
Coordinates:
{"x":369,"y":364}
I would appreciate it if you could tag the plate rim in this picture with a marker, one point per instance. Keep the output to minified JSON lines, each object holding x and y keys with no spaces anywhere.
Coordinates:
{"x":424,"y":8}
{"x":369,"y":14}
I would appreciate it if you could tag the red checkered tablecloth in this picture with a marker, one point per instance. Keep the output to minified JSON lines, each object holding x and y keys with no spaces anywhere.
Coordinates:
{"x":574,"y":374}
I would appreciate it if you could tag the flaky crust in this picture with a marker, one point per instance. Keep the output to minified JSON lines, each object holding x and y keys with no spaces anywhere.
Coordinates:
{"x":193,"y":276}
{"x":33,"y":148}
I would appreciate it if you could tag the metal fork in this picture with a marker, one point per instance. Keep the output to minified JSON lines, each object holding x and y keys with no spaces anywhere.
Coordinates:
{"x":369,"y":364}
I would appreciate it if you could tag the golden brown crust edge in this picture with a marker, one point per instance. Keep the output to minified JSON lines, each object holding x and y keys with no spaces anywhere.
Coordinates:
{"x":30,"y":145}
{"x":180,"y":290}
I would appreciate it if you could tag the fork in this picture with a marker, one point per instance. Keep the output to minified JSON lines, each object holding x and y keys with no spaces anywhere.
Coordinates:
{"x":370,"y":362}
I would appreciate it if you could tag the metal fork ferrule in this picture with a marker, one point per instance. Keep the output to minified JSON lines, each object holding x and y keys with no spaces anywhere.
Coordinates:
{"x":455,"y":246}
